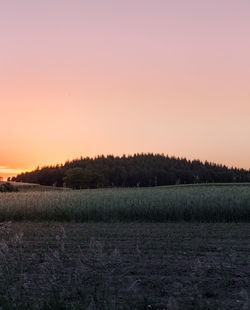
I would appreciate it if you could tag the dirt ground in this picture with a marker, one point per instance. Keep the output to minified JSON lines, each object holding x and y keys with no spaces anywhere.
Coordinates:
{"x":124,"y":266}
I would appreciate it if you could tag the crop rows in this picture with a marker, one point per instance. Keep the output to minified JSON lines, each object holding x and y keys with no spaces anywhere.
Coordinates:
{"x":160,"y":204}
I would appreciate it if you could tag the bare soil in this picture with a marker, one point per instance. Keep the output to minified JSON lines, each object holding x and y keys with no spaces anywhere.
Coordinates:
{"x":124,"y":266}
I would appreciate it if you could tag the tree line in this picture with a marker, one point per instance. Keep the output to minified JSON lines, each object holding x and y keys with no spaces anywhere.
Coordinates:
{"x":134,"y":170}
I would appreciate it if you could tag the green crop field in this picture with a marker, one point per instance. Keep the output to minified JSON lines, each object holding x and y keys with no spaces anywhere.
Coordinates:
{"x":195,"y":203}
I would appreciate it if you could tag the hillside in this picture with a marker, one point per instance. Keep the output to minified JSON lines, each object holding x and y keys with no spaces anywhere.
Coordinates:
{"x":141,"y":170}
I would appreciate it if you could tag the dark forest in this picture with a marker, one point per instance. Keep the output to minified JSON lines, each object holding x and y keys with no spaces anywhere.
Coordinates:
{"x":129,"y":171}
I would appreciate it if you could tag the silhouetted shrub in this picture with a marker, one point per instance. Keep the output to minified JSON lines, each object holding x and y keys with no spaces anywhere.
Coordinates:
{"x":8,"y":187}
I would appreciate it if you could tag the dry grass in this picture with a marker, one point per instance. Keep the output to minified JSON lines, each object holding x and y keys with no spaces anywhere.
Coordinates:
{"x":124,"y":266}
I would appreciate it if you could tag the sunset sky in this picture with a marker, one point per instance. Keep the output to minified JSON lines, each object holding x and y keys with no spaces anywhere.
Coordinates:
{"x":87,"y":77}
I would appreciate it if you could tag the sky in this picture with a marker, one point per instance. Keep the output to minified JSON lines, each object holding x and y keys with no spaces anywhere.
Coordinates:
{"x":87,"y":77}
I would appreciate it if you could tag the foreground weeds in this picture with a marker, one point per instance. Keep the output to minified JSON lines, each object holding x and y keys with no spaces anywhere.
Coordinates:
{"x":125,"y":266}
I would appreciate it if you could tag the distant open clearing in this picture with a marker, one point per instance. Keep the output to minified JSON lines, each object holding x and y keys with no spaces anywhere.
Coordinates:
{"x":29,"y":187}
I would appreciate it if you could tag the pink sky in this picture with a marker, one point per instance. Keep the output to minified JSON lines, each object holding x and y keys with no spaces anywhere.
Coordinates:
{"x":82,"y":78}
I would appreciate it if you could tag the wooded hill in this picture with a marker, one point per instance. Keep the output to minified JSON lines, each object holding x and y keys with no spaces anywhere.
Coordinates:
{"x":136,"y":170}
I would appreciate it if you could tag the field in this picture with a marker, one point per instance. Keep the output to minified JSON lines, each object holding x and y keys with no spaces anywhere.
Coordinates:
{"x":124,"y":266}
{"x":213,"y":203}
{"x":180,"y":247}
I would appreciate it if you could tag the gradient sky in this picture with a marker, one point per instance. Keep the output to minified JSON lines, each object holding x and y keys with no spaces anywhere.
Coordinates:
{"x":92,"y":77}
